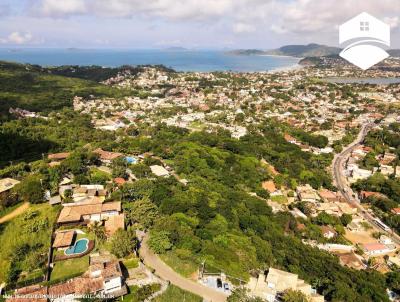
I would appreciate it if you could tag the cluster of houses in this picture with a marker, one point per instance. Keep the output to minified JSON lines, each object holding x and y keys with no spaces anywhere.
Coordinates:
{"x":315,"y":108}
{"x":305,"y":147}
{"x":207,"y":101}
{"x":385,"y":162}
{"x":332,"y":203}
{"x":22,"y":113}
{"x":103,"y":280}
{"x":84,"y":206}
{"x":323,"y":200}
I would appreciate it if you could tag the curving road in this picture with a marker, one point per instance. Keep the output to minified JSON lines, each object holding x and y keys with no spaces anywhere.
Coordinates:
{"x":167,"y":273}
{"x":345,"y":189}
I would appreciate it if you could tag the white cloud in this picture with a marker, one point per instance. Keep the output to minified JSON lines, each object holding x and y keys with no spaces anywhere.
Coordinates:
{"x":168,"y":9}
{"x":61,"y":8}
{"x":241,"y":28}
{"x":308,"y":16}
{"x":17,"y":37}
{"x":290,"y":20}
{"x":295,"y":15}
{"x":279,"y":29}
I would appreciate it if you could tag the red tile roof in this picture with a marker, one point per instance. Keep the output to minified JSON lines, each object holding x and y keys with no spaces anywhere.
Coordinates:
{"x":396,"y":211}
{"x":119,"y":181}
{"x":289,"y":138}
{"x":366,"y":194}
{"x":327,"y":194}
{"x":374,"y":246}
{"x":106,"y":155}
{"x":269,"y":186}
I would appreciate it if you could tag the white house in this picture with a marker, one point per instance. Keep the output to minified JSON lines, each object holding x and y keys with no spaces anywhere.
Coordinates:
{"x":385,"y":240}
{"x":159,"y":171}
{"x":376,"y":249}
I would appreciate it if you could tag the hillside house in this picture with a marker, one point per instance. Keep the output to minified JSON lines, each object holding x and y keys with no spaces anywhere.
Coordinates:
{"x":270,"y":187}
{"x":106,"y":156}
{"x":63,"y":239}
{"x":327,"y":196}
{"x":396,"y":211}
{"x":269,"y":286}
{"x":6,"y":184}
{"x":307,"y":194}
{"x":366,"y":194}
{"x":58,"y":156}
{"x":110,"y":213}
{"x":328,"y":232}
{"x":377,"y":249}
{"x":159,"y":171}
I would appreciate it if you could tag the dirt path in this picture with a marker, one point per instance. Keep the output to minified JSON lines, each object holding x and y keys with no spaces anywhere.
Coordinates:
{"x":15,"y":213}
{"x":167,"y":273}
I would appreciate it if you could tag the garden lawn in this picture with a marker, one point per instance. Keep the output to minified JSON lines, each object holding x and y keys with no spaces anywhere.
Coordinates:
{"x":69,"y":268}
{"x":131,"y":297}
{"x":131,"y":263}
{"x":279,"y":199}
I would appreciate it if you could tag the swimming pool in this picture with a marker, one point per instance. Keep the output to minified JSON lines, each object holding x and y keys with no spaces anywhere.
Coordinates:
{"x":131,"y":160}
{"x":79,"y":247}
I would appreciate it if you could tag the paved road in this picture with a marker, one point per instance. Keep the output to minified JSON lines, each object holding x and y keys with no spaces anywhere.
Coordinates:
{"x":167,"y":273}
{"x":15,"y":213}
{"x":345,"y":189}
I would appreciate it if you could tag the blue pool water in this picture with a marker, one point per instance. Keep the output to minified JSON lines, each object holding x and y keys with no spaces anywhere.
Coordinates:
{"x":79,"y":247}
{"x":131,"y":160}
{"x":190,"y":60}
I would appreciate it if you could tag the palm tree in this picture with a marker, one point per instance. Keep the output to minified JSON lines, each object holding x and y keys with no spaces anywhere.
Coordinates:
{"x":98,"y":230}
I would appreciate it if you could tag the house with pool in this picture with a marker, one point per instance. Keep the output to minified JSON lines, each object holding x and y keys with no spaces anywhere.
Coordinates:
{"x":108,"y":213}
{"x":106,"y":157}
{"x":72,"y":243}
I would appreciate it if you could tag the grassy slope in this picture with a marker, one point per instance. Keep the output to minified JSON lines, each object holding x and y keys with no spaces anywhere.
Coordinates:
{"x":184,"y":267}
{"x":36,"y":90}
{"x":8,"y":210}
{"x":14,"y":233}
{"x":174,"y":293}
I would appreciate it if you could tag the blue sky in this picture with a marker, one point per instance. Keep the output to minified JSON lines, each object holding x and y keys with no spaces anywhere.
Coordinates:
{"x":218,"y":24}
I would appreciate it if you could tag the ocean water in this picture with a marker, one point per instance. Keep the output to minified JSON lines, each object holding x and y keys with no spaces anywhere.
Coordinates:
{"x":190,"y":60}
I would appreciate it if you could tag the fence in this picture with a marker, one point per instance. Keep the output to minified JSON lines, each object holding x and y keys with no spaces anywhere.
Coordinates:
{"x":20,"y":284}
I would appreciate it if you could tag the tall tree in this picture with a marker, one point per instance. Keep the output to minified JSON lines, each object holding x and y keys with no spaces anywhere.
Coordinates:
{"x":141,"y":212}
{"x":123,"y":242}
{"x":98,"y":230}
